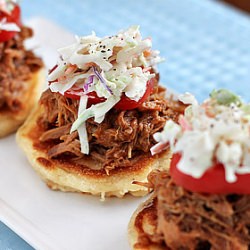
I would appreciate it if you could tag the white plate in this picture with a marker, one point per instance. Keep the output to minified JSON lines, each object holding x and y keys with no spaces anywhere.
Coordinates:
{"x":55,"y":220}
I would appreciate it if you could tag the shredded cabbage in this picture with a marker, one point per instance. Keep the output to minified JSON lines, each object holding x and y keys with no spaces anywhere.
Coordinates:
{"x":82,"y":131}
{"x":97,"y":111}
{"x":4,"y":25}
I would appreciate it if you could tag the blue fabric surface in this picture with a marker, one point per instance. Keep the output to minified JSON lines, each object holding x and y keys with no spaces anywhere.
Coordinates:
{"x":206,"y":45}
{"x":10,"y":241}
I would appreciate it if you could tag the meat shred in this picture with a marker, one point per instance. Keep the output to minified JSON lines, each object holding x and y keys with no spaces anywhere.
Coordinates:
{"x":16,"y":67}
{"x":120,"y":138}
{"x":189,"y":220}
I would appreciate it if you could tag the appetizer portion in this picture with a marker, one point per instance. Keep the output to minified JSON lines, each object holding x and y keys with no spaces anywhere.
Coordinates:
{"x":93,"y":128}
{"x":20,"y":70}
{"x":203,"y":202}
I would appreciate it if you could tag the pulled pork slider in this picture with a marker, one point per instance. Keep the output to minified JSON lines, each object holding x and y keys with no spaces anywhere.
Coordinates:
{"x":21,"y":74}
{"x":93,"y":128}
{"x":203,"y":202}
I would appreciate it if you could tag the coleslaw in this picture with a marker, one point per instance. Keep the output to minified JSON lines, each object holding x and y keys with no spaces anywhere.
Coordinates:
{"x":108,"y":66}
{"x":218,"y":129}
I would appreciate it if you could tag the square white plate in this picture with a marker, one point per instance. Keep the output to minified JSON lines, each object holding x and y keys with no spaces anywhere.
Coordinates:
{"x":55,"y":220}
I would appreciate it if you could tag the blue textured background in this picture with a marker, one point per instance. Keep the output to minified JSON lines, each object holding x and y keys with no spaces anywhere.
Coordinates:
{"x":10,"y":241}
{"x":206,"y":45}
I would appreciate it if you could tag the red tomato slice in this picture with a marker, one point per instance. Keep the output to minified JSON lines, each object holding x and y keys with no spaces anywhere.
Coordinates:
{"x":68,"y":94}
{"x":212,"y":182}
{"x":13,"y":17}
{"x":93,"y":98}
{"x":51,"y":70}
{"x":126,"y":104}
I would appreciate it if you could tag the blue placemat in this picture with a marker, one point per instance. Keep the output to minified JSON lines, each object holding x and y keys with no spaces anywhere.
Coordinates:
{"x":10,"y":241}
{"x":206,"y":45}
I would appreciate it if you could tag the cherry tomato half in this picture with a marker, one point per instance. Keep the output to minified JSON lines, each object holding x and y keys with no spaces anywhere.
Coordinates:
{"x":212,"y":182}
{"x":93,"y":98}
{"x":126,"y":104}
{"x":68,"y":94}
{"x":13,"y":17}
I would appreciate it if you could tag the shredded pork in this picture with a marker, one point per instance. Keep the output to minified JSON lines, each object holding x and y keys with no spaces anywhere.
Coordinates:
{"x":122,"y":136}
{"x":188,"y":220}
{"x":16,"y":67}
